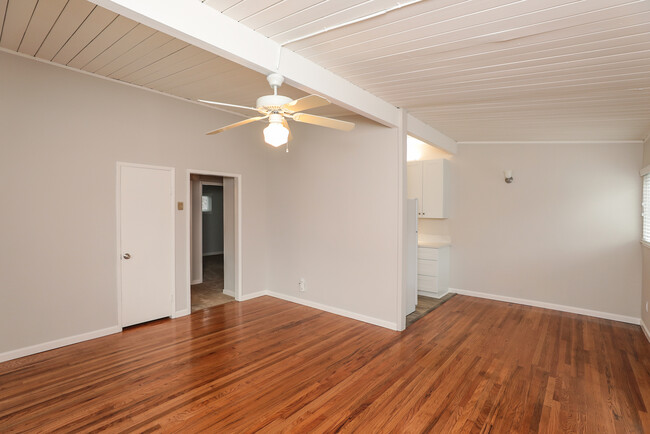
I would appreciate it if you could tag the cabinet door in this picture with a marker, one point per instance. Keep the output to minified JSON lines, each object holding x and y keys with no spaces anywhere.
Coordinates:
{"x":434,"y":189}
{"x":414,"y":183}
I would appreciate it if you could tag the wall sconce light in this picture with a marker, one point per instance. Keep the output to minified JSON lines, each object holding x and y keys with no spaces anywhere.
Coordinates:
{"x":508,"y":175}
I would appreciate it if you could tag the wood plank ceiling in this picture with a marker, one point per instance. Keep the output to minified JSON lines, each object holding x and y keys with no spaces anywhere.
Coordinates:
{"x":489,"y":70}
{"x":87,"y":37}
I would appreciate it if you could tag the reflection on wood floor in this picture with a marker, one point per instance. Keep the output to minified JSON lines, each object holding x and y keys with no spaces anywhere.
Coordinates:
{"x":210,"y":292}
{"x":268,"y":365}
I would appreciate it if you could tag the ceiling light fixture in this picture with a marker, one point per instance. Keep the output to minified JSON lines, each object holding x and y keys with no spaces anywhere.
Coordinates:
{"x":276,"y":134}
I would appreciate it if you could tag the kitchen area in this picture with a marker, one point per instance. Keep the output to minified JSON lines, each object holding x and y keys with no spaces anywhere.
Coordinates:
{"x":429,"y":240}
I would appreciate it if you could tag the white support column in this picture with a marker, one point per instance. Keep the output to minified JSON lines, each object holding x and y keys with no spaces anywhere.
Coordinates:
{"x":402,"y":195}
{"x":430,"y":135}
{"x":205,"y":27}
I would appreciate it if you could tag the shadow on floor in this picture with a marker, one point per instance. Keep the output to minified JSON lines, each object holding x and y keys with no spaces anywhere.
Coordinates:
{"x":210,"y":292}
{"x":424,"y":306}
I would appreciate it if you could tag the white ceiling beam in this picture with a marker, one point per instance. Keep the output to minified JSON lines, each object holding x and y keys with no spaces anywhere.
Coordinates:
{"x":200,"y":25}
{"x":429,"y":135}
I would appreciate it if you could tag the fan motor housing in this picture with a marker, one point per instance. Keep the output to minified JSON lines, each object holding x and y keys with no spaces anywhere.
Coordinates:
{"x":271,"y":102}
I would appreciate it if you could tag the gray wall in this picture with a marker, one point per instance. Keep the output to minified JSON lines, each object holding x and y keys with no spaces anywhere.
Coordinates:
{"x":333,"y":218}
{"x":63,"y":132}
{"x":646,"y":251}
{"x":326,"y":211}
{"x":566,"y":231}
{"x":213,"y":221}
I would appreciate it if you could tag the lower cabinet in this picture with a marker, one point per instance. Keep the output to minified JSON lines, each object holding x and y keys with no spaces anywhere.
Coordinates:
{"x":433,"y":271}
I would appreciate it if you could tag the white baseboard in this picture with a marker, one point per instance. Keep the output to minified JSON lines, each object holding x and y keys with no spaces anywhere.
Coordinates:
{"x":196,"y":282}
{"x":213,"y":253}
{"x":45,"y":346}
{"x":229,"y":292}
{"x":252,"y":295}
{"x":560,"y":307}
{"x":645,"y":330}
{"x":180,"y":313}
{"x":431,"y":294}
{"x":323,"y":307}
{"x":335,"y":310}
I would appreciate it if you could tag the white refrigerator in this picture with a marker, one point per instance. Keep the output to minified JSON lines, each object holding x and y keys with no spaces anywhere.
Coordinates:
{"x":411,"y":255}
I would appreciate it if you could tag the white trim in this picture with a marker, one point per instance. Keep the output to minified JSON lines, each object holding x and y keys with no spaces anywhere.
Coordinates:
{"x":238,"y":236}
{"x":350,"y":22}
{"x":335,"y":310}
{"x":196,"y":282}
{"x":644,"y":171}
{"x":402,"y":234}
{"x":645,"y":330}
{"x":431,"y":294}
{"x":553,"y":142}
{"x":180,"y":313}
{"x":429,"y":135}
{"x":119,"y":165}
{"x":552,"y":306}
{"x":252,"y":295}
{"x":229,"y":292}
{"x":58,"y":343}
{"x":213,"y":253}
{"x":113,"y":80}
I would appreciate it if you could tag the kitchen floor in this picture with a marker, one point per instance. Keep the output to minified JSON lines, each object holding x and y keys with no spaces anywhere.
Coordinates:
{"x":210,"y":292}
{"x":424,"y":306}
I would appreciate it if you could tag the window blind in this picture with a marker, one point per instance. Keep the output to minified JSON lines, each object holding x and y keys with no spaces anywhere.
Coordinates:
{"x":646,"y":208}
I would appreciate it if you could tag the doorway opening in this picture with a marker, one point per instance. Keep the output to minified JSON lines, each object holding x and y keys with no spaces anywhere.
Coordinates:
{"x":213,"y":240}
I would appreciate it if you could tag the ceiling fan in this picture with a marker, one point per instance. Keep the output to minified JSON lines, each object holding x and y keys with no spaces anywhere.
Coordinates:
{"x":277,"y":109}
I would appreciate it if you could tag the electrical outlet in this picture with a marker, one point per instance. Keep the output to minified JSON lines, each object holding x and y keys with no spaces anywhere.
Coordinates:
{"x":301,"y":285}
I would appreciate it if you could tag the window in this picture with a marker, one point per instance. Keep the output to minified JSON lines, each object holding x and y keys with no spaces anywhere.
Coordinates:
{"x":646,"y":207}
{"x":206,"y":204}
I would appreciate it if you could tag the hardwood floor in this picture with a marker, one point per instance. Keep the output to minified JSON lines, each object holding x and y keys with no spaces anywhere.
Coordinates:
{"x":267,"y":365}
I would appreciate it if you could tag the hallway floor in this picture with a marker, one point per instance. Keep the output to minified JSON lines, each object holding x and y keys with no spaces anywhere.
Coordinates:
{"x":424,"y":306}
{"x":210,"y":292}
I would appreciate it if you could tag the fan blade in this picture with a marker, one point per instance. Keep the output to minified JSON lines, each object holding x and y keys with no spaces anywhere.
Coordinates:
{"x":236,"y":124}
{"x":323,"y":121}
{"x":305,"y":103}
{"x":227,"y":105}
{"x":286,"y":125}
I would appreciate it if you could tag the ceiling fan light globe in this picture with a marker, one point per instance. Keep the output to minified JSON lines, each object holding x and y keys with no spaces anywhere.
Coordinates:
{"x":276,"y":134}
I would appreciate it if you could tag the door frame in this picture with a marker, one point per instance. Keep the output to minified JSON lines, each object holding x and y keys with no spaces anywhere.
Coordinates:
{"x":118,"y":219}
{"x":188,"y":235}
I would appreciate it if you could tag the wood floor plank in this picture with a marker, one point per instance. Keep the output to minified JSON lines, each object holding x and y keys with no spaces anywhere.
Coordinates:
{"x":267,"y":365}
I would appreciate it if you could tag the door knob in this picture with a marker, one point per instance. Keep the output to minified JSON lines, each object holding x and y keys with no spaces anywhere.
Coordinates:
{"x":126,"y":256}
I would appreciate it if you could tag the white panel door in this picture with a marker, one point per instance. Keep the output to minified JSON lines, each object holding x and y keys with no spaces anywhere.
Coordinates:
{"x":146,"y":243}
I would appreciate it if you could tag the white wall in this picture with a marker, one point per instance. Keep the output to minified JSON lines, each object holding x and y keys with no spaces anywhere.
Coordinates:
{"x":566,"y":231}
{"x":62,"y":133}
{"x":333,"y":216}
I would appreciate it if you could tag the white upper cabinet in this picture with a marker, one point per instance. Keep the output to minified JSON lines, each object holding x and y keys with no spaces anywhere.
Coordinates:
{"x":428,"y":181}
